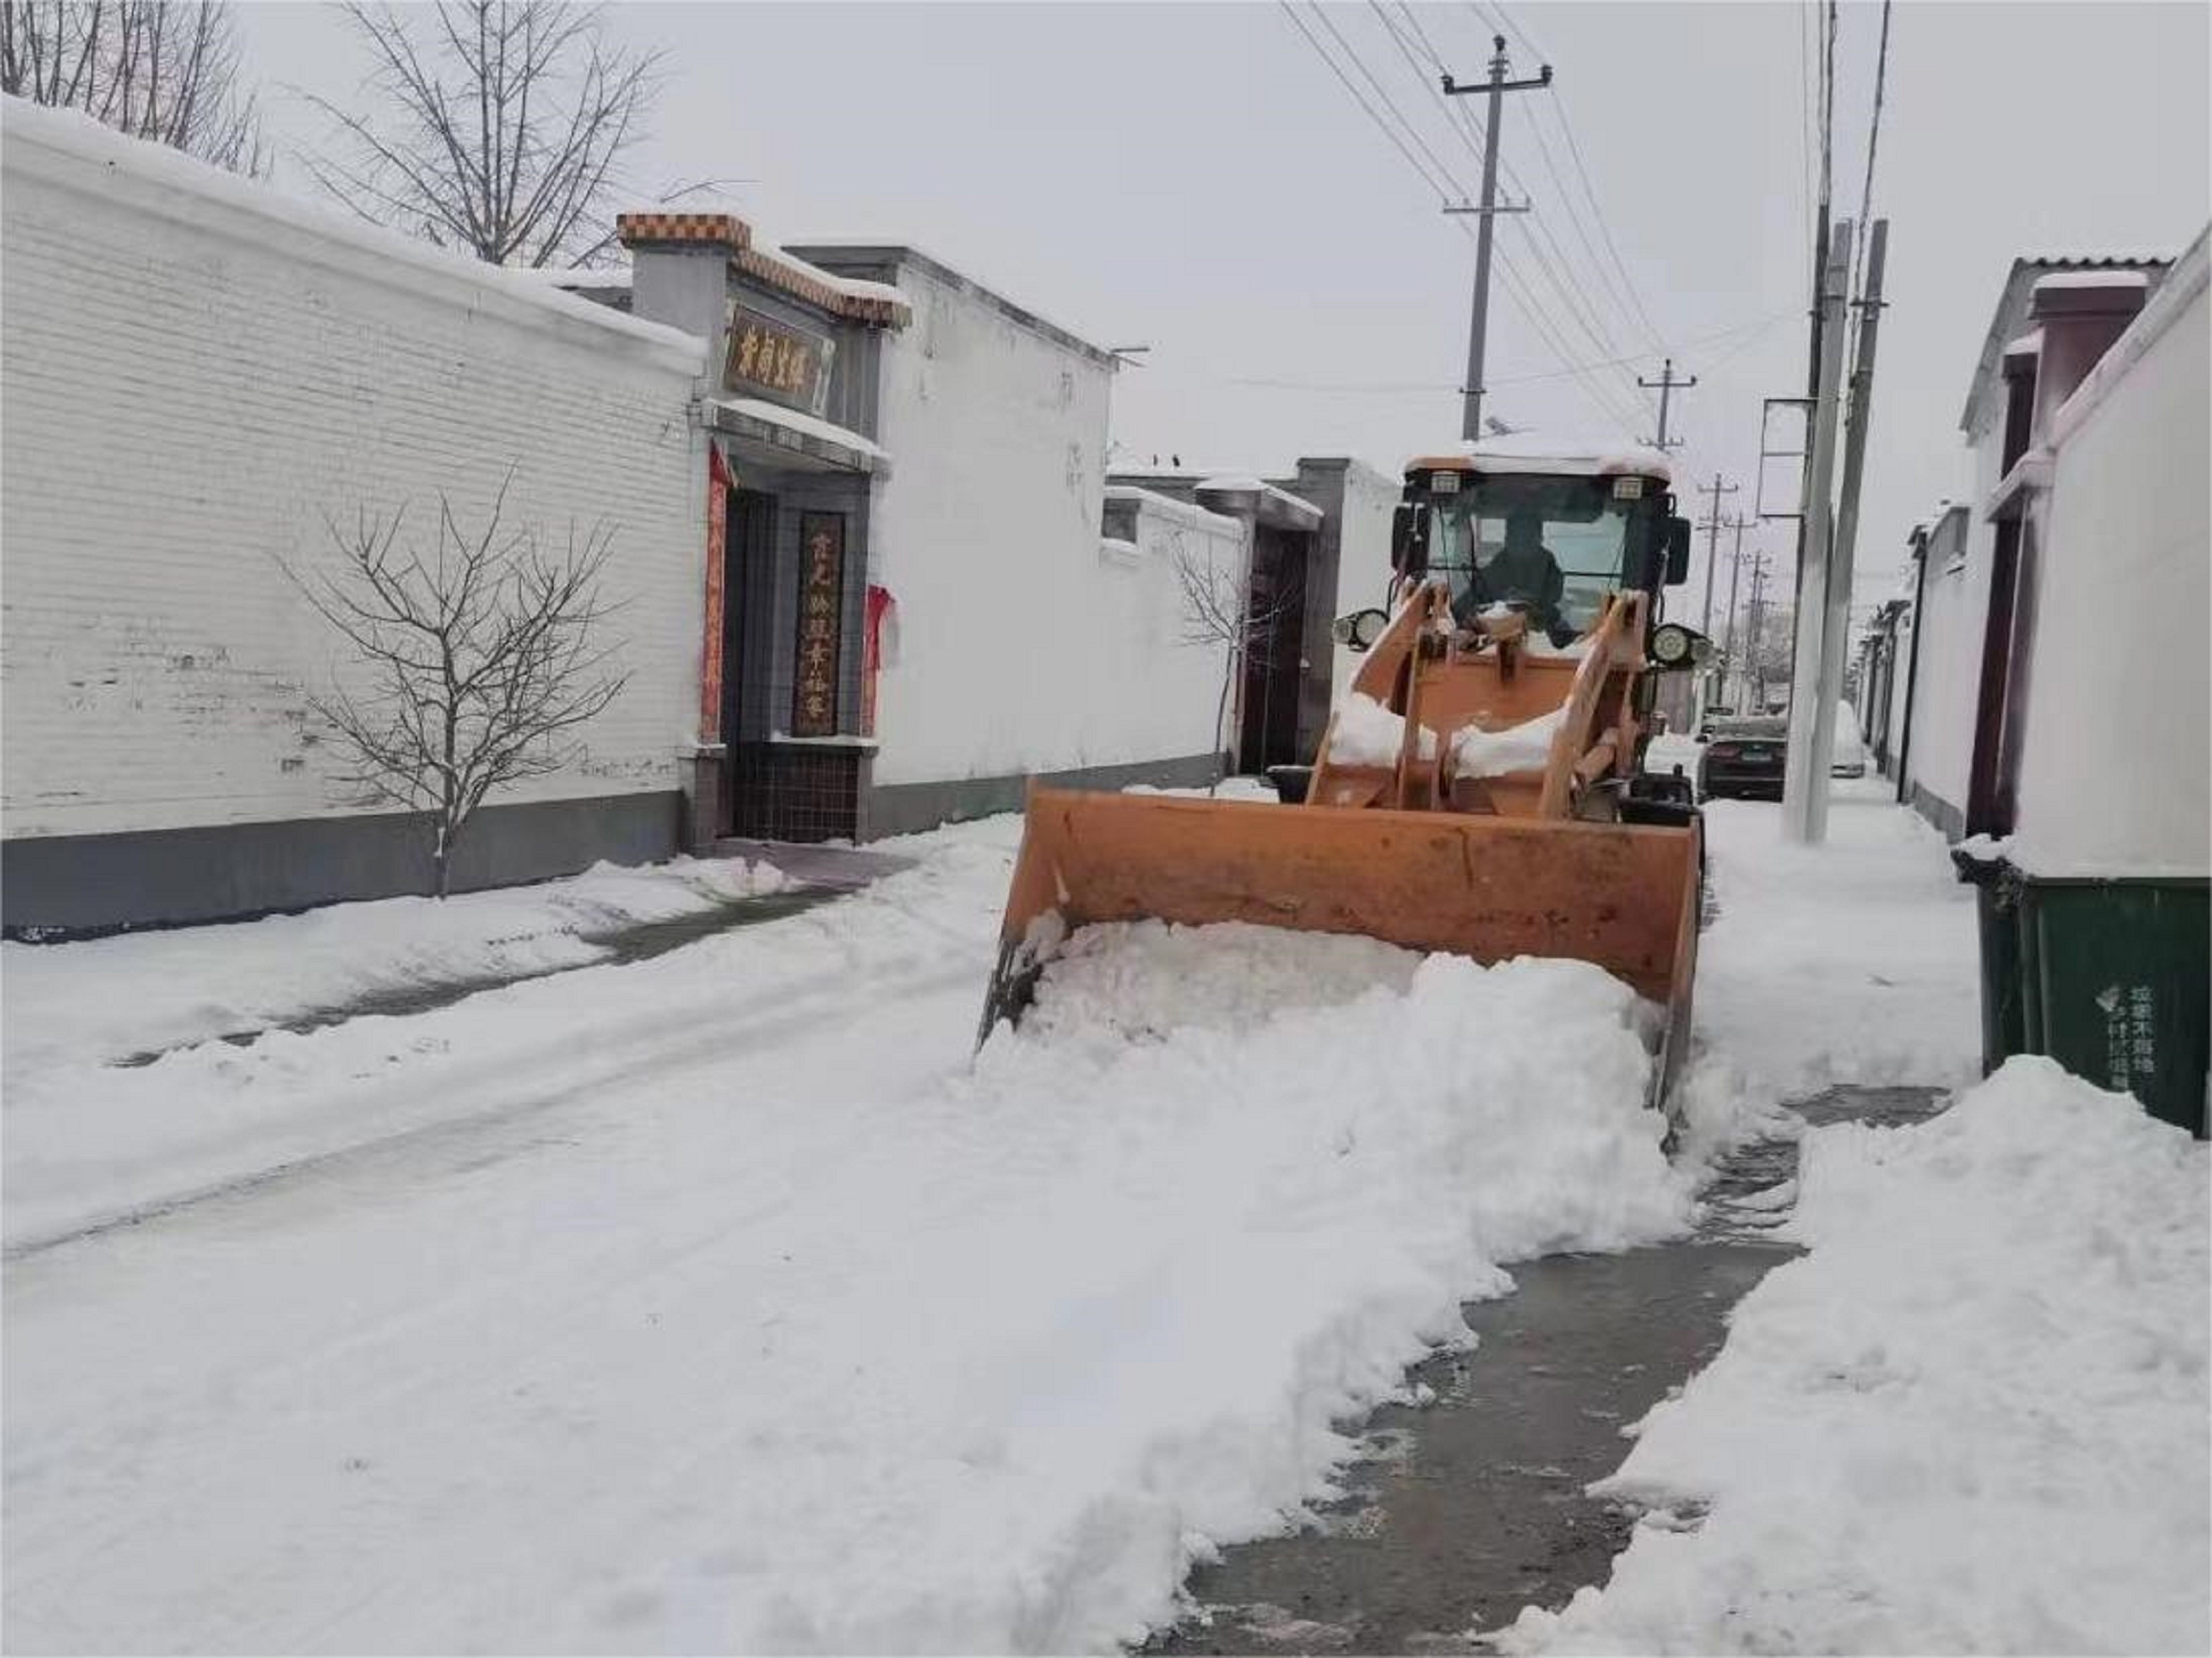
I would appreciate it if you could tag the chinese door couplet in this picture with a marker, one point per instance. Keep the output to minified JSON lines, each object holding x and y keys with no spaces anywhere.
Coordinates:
{"x":820,"y":596}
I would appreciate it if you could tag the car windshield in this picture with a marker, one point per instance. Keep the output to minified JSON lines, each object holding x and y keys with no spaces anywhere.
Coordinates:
{"x":1768,"y":729}
{"x":1500,"y":539}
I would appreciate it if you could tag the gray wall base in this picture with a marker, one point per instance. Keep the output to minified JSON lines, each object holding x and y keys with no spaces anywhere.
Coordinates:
{"x":904,"y":808}
{"x":1939,"y":811}
{"x":79,"y":883}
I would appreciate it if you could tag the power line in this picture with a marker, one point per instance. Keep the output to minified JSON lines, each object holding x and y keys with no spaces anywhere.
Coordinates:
{"x":1529,"y":312}
{"x":1631,"y":307}
{"x":1464,"y":129}
{"x":1827,"y":101}
{"x":1360,"y":65}
{"x":1576,"y":299}
{"x":1477,"y":328}
{"x":1743,"y":333}
{"x":1360,"y":98}
{"x":1634,"y":300}
{"x":1805,"y":101}
{"x":1575,"y":153}
{"x":1515,"y":285}
{"x":1510,"y":27}
{"x":1874,"y":136}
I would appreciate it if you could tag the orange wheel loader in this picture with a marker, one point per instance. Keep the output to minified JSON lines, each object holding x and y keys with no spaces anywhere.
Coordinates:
{"x":1478,"y":792}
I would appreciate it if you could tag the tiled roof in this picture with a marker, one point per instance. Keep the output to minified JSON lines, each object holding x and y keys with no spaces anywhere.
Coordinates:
{"x":2011,"y":313}
{"x":794,"y":276}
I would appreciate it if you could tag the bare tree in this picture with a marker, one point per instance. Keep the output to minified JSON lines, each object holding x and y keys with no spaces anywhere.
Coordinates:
{"x":1219,"y":607}
{"x":479,"y":659}
{"x":496,"y":127}
{"x":161,"y":69}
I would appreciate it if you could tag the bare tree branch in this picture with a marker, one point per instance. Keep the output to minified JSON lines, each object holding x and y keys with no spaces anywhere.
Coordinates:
{"x":496,"y":125}
{"x":161,"y":69}
{"x":478,"y":659}
{"x":1219,"y":607}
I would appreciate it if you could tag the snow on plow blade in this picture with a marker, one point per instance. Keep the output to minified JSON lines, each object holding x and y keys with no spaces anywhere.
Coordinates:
{"x":1622,"y":896}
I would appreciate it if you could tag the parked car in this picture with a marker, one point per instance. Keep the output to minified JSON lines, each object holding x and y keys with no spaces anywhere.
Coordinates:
{"x":1847,"y":758}
{"x":1672,"y":751}
{"x":1743,"y":758}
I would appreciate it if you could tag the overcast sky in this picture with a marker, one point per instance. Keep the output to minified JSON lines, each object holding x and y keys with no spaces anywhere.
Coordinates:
{"x":1195,"y":178}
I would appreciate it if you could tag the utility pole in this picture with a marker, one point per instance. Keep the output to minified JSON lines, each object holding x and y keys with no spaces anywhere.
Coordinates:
{"x":1736,"y":574}
{"x":1478,"y":326}
{"x":1801,"y":821}
{"x":1716,"y":488}
{"x":1754,"y":667}
{"x":1664,"y":385}
{"x":1836,"y":631}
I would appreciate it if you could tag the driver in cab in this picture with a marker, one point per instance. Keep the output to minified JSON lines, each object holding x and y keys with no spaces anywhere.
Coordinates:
{"x":1522,"y":573}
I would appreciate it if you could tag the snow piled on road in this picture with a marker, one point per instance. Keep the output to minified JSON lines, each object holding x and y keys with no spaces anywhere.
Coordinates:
{"x":1974,"y":1418}
{"x":108,"y":999}
{"x":1236,"y":1226}
{"x":718,"y":1302}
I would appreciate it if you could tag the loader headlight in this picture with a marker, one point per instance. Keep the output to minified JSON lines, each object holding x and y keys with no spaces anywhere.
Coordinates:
{"x":1671,"y":644}
{"x":1361,"y":628}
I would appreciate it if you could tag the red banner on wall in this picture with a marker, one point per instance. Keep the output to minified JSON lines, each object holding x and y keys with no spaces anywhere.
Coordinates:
{"x":710,"y":657}
{"x":882,"y":612}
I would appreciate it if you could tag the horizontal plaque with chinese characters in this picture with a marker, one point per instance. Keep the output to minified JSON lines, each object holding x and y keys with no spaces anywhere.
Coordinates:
{"x":821,"y":594}
{"x":773,"y":360}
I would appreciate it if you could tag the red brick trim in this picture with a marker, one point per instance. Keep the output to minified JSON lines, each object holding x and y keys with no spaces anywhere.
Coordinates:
{"x":726,"y":230}
{"x":684,"y":230}
{"x":883,"y":314}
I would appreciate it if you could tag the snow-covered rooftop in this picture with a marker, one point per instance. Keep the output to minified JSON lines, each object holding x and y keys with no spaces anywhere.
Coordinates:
{"x":2024,"y":276}
{"x":852,"y":287}
{"x":894,"y":253}
{"x":2115,"y":278}
{"x":1275,"y":506}
{"x":800,"y":425}
{"x":1538,"y":452}
{"x":1168,"y":507}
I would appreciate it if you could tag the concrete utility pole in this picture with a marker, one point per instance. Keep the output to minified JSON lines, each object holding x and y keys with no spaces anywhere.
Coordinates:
{"x":1716,"y":488}
{"x":1800,"y":820}
{"x":1665,"y":383}
{"x":1736,"y":574}
{"x":1478,"y":326}
{"x":1754,"y":619}
{"x":1836,"y":631}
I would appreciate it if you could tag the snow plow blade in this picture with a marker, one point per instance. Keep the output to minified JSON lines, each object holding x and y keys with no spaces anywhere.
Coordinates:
{"x":1622,"y":896}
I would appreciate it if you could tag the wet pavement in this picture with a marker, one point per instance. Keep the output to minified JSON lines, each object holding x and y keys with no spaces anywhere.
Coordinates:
{"x":1461,"y":1510}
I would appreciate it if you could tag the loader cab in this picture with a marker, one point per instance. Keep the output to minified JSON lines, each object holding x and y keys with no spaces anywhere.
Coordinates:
{"x":1555,"y":537}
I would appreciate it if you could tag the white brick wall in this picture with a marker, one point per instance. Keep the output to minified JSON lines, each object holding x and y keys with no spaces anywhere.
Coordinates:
{"x":1023,"y":647}
{"x":198,"y":372}
{"x":2113,"y":776}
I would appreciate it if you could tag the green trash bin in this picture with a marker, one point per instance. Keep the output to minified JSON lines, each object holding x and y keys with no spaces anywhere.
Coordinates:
{"x":2005,"y":974}
{"x":2113,"y":983}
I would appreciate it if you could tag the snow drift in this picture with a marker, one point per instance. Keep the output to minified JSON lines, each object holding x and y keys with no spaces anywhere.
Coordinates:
{"x":103,"y":999}
{"x":896,"y":1355}
{"x":1974,"y":1418}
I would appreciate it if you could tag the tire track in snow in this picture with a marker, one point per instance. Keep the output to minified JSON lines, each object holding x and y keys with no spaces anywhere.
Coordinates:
{"x":799,"y":1010}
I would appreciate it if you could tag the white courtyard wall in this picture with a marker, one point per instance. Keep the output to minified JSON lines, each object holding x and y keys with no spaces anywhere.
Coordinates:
{"x":199,"y":374}
{"x":1024,"y":644}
